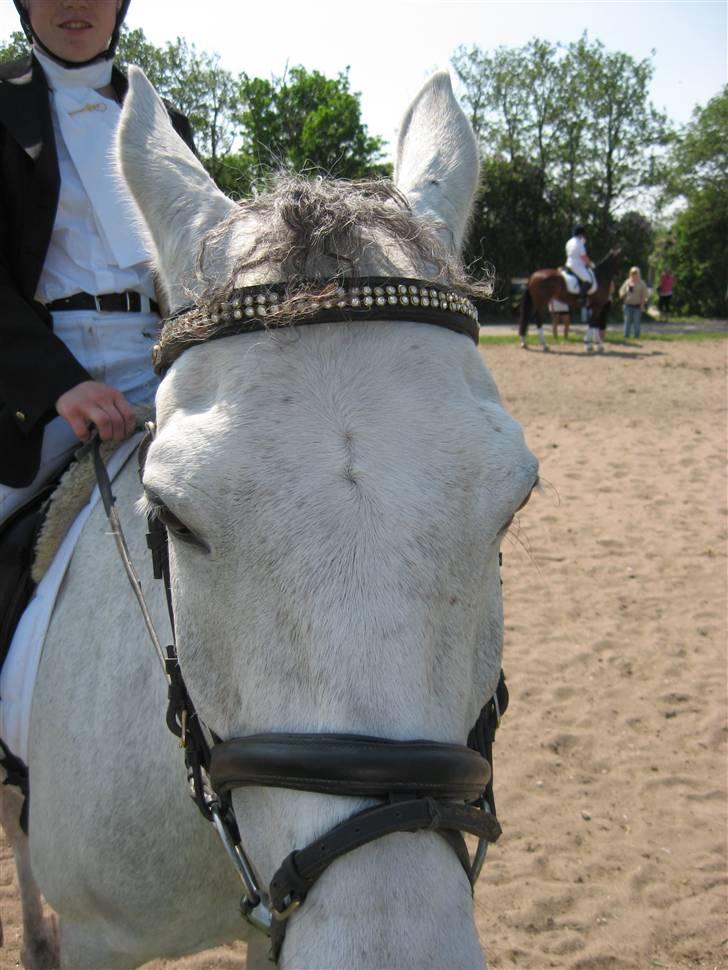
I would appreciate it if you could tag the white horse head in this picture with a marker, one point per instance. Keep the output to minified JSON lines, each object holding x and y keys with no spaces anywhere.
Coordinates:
{"x":336,"y":496}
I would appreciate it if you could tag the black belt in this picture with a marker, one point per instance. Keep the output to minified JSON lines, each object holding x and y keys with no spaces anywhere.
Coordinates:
{"x":128,"y":302}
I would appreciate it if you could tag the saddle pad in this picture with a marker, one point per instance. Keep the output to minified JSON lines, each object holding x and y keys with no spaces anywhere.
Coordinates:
{"x":17,"y":678}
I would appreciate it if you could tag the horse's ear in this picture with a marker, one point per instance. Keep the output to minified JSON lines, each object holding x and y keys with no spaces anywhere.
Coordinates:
{"x":437,"y":165}
{"x":177,"y":200}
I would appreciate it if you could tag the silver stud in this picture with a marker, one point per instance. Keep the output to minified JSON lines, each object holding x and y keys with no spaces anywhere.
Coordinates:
{"x":273,"y":297}
{"x":402,"y":290}
{"x":341,"y":304}
{"x":390,"y":290}
{"x":366,"y":290}
{"x":261,"y":311}
{"x":404,"y":300}
{"x":425,"y":301}
{"x":381,"y":301}
{"x":368,"y":300}
{"x":260,"y":298}
{"x":415,"y":300}
{"x":392,"y":299}
{"x":249,"y":311}
{"x":355,"y":291}
{"x":236,"y":303}
{"x":248,"y":301}
{"x":238,"y":314}
{"x":413,"y":290}
{"x":214,"y":318}
{"x":378,"y":291}
{"x":355,"y":301}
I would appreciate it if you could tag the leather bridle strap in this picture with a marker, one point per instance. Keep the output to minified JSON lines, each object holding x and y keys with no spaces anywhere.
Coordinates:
{"x":349,"y":764}
{"x":300,"y":870}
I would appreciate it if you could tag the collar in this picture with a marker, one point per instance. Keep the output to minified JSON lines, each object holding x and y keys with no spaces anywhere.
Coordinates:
{"x":95,"y":75}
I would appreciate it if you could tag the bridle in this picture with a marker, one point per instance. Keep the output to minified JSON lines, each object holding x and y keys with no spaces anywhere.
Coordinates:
{"x":418,"y":785}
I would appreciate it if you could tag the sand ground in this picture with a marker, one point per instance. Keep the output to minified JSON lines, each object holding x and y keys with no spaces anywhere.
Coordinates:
{"x":611,"y":762}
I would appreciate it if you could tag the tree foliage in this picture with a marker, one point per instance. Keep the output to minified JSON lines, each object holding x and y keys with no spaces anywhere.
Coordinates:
{"x":695,"y":245}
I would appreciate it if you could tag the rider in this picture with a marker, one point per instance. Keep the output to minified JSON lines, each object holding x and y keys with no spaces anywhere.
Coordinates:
{"x":77,"y":297}
{"x":579,"y":263}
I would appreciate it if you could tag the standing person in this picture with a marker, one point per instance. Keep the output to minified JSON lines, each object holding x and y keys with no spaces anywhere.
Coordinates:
{"x":664,"y":292}
{"x":633,"y":293}
{"x":77,"y":301}
{"x":560,"y":314}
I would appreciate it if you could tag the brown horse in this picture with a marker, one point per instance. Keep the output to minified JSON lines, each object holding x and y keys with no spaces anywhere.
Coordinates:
{"x":548,"y":284}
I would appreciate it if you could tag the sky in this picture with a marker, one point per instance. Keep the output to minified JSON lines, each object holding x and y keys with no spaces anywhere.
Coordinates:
{"x":392,"y":46}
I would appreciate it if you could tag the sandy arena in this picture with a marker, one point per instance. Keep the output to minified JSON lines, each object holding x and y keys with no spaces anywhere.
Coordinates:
{"x":611,"y":762}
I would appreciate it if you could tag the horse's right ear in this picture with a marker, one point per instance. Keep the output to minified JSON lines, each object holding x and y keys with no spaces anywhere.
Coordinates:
{"x":437,"y":164}
{"x":176,"y":198}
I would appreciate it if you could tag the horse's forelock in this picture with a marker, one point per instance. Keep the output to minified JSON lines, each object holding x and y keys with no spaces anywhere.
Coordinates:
{"x":322,"y":230}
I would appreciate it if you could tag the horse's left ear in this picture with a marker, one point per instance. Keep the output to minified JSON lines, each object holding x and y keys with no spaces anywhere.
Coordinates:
{"x":437,"y":159}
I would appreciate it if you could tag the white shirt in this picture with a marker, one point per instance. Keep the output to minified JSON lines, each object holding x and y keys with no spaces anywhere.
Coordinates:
{"x":575,"y":250}
{"x":96,"y":247}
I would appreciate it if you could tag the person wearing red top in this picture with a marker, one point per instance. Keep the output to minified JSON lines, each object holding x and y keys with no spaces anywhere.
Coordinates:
{"x":664,"y":292}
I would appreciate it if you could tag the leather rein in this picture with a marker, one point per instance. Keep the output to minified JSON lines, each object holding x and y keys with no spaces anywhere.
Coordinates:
{"x":418,"y":785}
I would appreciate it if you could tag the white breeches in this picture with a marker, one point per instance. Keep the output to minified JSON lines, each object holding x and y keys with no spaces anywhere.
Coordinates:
{"x":581,"y":270}
{"x":115,"y":348}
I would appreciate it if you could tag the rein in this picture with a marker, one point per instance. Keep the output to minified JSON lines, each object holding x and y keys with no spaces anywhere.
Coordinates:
{"x":419,"y":785}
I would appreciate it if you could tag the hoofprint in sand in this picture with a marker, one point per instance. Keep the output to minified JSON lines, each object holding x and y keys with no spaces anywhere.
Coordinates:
{"x":611,"y":762}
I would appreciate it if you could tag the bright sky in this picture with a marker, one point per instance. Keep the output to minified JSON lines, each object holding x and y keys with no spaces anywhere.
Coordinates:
{"x":392,"y":46}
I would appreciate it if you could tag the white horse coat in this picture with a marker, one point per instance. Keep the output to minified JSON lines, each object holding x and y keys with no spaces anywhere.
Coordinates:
{"x":352,"y":483}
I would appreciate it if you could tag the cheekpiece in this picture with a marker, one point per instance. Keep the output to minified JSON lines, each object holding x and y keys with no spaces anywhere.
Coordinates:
{"x":256,"y":308}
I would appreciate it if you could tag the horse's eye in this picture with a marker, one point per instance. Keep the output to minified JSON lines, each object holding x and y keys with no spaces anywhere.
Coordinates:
{"x":174,"y":525}
{"x":523,"y":504}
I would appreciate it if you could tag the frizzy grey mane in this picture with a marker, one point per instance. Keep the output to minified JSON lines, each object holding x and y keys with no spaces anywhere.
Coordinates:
{"x":316,"y":232}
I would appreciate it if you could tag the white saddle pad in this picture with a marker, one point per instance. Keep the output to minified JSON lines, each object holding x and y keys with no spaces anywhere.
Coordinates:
{"x":572,"y":282}
{"x":17,"y":678}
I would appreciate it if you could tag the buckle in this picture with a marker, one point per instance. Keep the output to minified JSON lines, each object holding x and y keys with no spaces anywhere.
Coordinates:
{"x":97,"y":303}
{"x":290,"y":905}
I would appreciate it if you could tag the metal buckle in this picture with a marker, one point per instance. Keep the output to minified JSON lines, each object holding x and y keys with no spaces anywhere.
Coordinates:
{"x":283,"y":914}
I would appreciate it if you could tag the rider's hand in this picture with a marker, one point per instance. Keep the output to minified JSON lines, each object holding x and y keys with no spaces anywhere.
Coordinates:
{"x":93,"y":403}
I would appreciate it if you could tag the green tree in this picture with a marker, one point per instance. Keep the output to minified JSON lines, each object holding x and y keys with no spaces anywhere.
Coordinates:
{"x":305,"y":121}
{"x":14,"y":48}
{"x":695,"y":246}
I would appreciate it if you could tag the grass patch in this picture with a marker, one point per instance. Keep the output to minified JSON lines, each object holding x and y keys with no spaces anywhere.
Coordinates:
{"x":693,"y":337}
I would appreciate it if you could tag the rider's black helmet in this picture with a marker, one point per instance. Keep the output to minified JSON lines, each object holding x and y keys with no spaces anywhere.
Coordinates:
{"x":579,"y":230}
{"x":107,"y":55}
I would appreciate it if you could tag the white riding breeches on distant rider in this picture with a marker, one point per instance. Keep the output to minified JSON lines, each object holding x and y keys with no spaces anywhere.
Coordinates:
{"x":115,"y":348}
